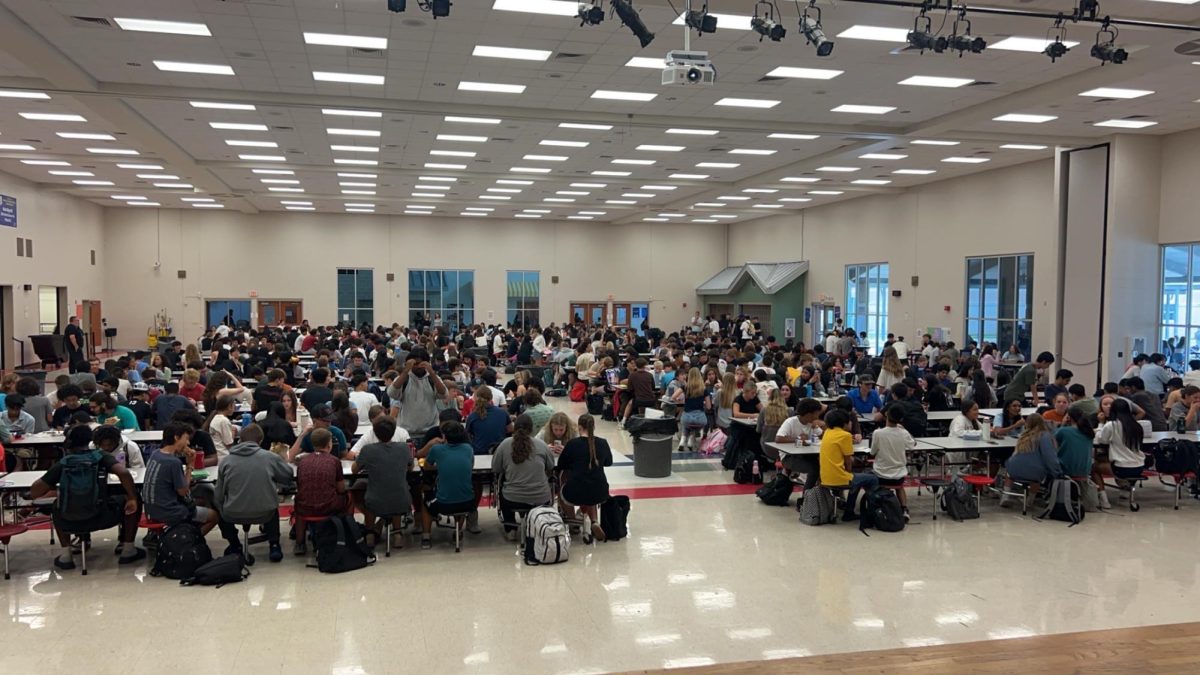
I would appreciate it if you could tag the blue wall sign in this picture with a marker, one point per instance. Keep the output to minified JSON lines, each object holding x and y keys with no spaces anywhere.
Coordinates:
{"x":8,"y":211}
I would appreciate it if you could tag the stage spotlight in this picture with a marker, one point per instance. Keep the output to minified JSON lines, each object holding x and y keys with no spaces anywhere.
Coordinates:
{"x":702,"y":21}
{"x":1056,"y":50}
{"x":590,"y":15}
{"x":397,"y":5}
{"x":440,"y":8}
{"x":1105,"y":50}
{"x":629,"y":17}
{"x":765,"y":24}
{"x":966,"y":43}
{"x":921,"y":36}
{"x":814,"y":35}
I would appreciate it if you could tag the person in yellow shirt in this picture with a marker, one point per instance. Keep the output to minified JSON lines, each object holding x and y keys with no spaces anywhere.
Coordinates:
{"x":837,"y":457}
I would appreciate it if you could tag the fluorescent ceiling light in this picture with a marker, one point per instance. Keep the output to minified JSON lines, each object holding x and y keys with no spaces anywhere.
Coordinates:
{"x":638,"y":195}
{"x":529,"y":169}
{"x":831,"y":193}
{"x":353,"y":148}
{"x":46,"y":162}
{"x":365,"y":193}
{"x":350,"y":210}
{"x":799,"y":179}
{"x":751,"y":151}
{"x":16,"y":147}
{"x":351,"y":113}
{"x":768,"y":206}
{"x":498,"y":198}
{"x":1027,"y":119}
{"x":338,"y":40}
{"x":704,"y":220}
{"x":881,"y":155}
{"x":1022,"y":146}
{"x":294,"y":203}
{"x":86,"y":137}
{"x":509,"y":181}
{"x":349,"y":78}
{"x":805,"y":73}
{"x":112,"y":151}
{"x":689,"y":176}
{"x":1116,"y":92}
{"x":927,"y":141}
{"x":794,"y":137}
{"x":564,"y":144}
{"x":762,"y":191}
{"x":551,"y":7}
{"x":611,"y":95}
{"x":414,"y":207}
{"x":285,"y":189}
{"x":635,"y":162}
{"x":871,"y":181}
{"x":580,"y":218}
{"x":213,"y":105}
{"x":931,"y":81}
{"x":713,"y":205}
{"x":492,"y":87}
{"x":17,"y":93}
{"x":142,"y":204}
{"x":432,"y":187}
{"x":505,"y":191}
{"x":620,"y":202}
{"x":482,"y":209}
{"x":966,"y":160}
{"x":170,"y":27}
{"x":452,"y":153}
{"x":1026,"y":44}
{"x":208,"y":206}
{"x":839,"y":169}
{"x":655,"y":220}
{"x":175,"y":186}
{"x":461,"y":138}
{"x":197,"y":68}
{"x":593,"y":213}
{"x":511,"y":53}
{"x":52,"y":117}
{"x":717,"y":165}
{"x":914,"y":172}
{"x":572,"y":193}
{"x":647,"y":62}
{"x":795,"y":200}
{"x":558,"y":200}
{"x":354,"y":184}
{"x":235,"y":126}
{"x":367,"y":133}
{"x":694,"y":132}
{"x":615,"y":174}
{"x":734,"y":198}
{"x":660,"y":188}
{"x":725,"y":21}
{"x":132,"y":198}
{"x":472,"y":120}
{"x":747,"y":103}
{"x":279,"y":181}
{"x":660,"y":148}
{"x":475,"y":214}
{"x":71,"y":173}
{"x":1126,"y":124}
{"x":877,"y":33}
{"x":439,"y":179}
{"x":526,"y":215}
{"x":141,"y":167}
{"x":252,"y":144}
{"x":725,"y":216}
{"x":300,"y":208}
{"x":545,"y":158}
{"x":586,"y":127}
{"x":356,"y":162}
{"x":274,"y":172}
{"x":262,"y":158}
{"x":437,"y":165}
{"x":93,"y":182}
{"x":157,"y":176}
{"x":197,"y":199}
{"x":864,"y":109}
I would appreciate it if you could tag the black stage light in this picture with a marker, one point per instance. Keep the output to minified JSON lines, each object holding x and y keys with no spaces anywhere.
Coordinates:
{"x":814,"y":35}
{"x":767,"y":29}
{"x":397,"y":5}
{"x":966,"y":43}
{"x":1056,"y":50}
{"x":922,"y":37}
{"x":702,"y":21}
{"x":1109,"y":53}
{"x":590,"y":15}
{"x":629,"y":17}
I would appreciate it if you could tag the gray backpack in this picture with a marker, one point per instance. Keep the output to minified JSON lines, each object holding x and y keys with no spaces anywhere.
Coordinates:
{"x":818,"y":507}
{"x":958,"y":502}
{"x":1064,"y":502}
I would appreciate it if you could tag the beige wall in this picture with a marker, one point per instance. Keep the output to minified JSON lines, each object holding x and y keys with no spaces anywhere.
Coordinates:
{"x":927,"y":232}
{"x":1180,"y":199}
{"x":64,"y":231}
{"x":294,"y":255}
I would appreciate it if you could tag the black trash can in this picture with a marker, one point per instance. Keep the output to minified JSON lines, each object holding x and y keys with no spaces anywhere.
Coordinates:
{"x":38,"y":375}
{"x":653,"y":444}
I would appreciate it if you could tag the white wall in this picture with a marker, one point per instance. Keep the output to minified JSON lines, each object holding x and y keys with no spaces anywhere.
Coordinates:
{"x":294,"y":255}
{"x":1179,"y":219}
{"x":927,"y":232}
{"x":64,"y":231}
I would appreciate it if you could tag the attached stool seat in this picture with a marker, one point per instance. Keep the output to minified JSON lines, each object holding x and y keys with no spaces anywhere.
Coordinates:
{"x":7,"y":532}
{"x":934,"y":485}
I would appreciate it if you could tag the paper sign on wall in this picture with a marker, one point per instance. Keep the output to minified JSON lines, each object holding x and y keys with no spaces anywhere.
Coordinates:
{"x":789,"y":328}
{"x":8,"y":211}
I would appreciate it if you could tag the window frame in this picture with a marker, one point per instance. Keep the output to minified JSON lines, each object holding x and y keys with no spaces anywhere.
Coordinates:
{"x":878,"y":277}
{"x":362,"y":307}
{"x":521,"y":304}
{"x":1188,"y":302}
{"x":464,"y":312}
{"x":986,"y":315}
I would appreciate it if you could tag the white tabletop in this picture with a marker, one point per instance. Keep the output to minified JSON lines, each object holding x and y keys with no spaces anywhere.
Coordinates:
{"x":956,"y":443}
{"x":996,"y":412}
{"x":942,"y":415}
{"x":748,"y":421}
{"x":57,"y":438}
{"x":862,"y":446}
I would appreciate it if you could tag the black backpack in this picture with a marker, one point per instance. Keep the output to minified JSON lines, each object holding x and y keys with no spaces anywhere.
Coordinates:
{"x":1176,"y":458}
{"x":341,"y":546}
{"x":614,"y":517}
{"x":776,"y":493}
{"x":1065,"y":502}
{"x":744,"y":472}
{"x":79,"y":487}
{"x":881,"y":510}
{"x":595,"y":404}
{"x":181,"y":551}
{"x":228,"y":569}
{"x":958,"y":502}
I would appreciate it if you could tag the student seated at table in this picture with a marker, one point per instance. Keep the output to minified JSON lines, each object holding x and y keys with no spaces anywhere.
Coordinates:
{"x":890,"y":446}
{"x":907,"y":398}
{"x":110,"y":439}
{"x":807,"y":427}
{"x":837,"y":461}
{"x":584,"y":485}
{"x":770,"y":419}
{"x":1034,"y":460}
{"x":1187,"y":410}
{"x":522,"y":464}
{"x":1123,"y":436}
{"x":1150,"y":404}
{"x":1080,"y":399}
{"x":167,"y":485}
{"x":452,"y":456}
{"x":937,"y":398}
{"x":105,"y":409}
{"x":1010,"y":423}
{"x":276,"y":428}
{"x":71,"y":397}
{"x":37,"y":405}
{"x":866,"y":400}
{"x":384,"y":491}
{"x":139,"y":403}
{"x":14,"y":418}
{"x":190,"y":386}
{"x":537,"y":409}
{"x":220,"y":426}
{"x":247,"y":491}
{"x":320,"y":484}
{"x":1058,"y":412}
{"x":79,"y":515}
{"x":322,"y":418}
{"x":557,"y":432}
{"x":1060,"y":385}
{"x":360,"y":398}
{"x":966,"y":421}
{"x":1074,"y":438}
{"x":488,"y":423}
{"x":641,"y":390}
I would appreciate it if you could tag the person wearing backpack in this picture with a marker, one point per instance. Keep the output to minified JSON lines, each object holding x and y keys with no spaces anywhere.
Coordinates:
{"x":523,"y":465}
{"x":85,"y":502}
{"x":248,"y":482}
{"x":837,"y":461}
{"x":1035,"y":459}
{"x":890,"y":446}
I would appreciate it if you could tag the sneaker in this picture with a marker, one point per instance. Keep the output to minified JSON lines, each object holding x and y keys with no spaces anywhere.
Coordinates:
{"x":1103,"y":500}
{"x":906,"y":517}
{"x":849,"y":517}
{"x":138,"y":554}
{"x":511,"y":535}
{"x":586,"y":529}
{"x":299,"y":548}
{"x":473,"y":523}
{"x":233,"y":550}
{"x":68,"y":565}
{"x":276,"y":553}
{"x":426,"y":543}
{"x":598,"y":532}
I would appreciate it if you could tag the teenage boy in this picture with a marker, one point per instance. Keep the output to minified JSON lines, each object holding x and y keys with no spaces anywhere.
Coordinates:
{"x":866,"y":400}
{"x":805,"y":426}
{"x":1026,"y":380}
{"x":168,"y":403}
{"x":318,"y":391}
{"x":167,"y":488}
{"x":247,"y":491}
{"x":1060,"y":385}
{"x":890,"y":446}
{"x":70,"y":396}
{"x":139,"y":403}
{"x":269,"y":392}
{"x":837,"y":460}
{"x":105,"y":409}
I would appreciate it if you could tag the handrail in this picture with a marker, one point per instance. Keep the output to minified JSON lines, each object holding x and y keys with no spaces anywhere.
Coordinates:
{"x":21,"y":342}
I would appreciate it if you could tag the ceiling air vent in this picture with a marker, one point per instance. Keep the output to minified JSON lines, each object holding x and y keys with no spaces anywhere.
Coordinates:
{"x":366,"y":53}
{"x":568,"y":56}
{"x":96,"y":21}
{"x":771,"y":78}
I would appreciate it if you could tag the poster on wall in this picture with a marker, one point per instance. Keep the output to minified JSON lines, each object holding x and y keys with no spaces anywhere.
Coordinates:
{"x":8,"y":211}
{"x":789,"y":328}
{"x":939,"y":335}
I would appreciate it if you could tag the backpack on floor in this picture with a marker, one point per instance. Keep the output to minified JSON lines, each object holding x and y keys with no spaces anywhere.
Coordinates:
{"x":181,"y":551}
{"x":818,"y":507}
{"x":714,"y":442}
{"x":595,"y":404}
{"x":743,"y":471}
{"x":578,"y":392}
{"x":1065,"y":502}
{"x":881,"y":510}
{"x":1176,"y":457}
{"x":556,"y":392}
{"x":958,"y":502}
{"x":341,"y":546}
{"x":776,"y":493}
{"x":1090,"y":496}
{"x":228,"y":569}
{"x":614,"y":518}
{"x":547,"y":539}
{"x":80,"y":488}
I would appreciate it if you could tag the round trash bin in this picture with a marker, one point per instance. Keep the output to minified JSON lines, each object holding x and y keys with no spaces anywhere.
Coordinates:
{"x":652,"y":456}
{"x":38,"y":375}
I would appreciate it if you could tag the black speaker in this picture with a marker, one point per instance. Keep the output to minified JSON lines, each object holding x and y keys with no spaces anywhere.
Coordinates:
{"x":391,"y":276}
{"x":28,"y":287}
{"x":182,"y":274}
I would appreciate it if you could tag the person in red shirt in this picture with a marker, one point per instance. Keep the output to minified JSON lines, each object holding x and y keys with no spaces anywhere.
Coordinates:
{"x":190,"y":387}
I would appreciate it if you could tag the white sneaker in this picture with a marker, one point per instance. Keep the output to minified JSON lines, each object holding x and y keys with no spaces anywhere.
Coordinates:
{"x":473,"y":523}
{"x":1103,"y":499}
{"x":586,"y":530}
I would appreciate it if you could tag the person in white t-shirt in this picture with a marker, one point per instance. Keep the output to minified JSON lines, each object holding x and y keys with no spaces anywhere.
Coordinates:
{"x":746,"y":329}
{"x":890,"y":446}
{"x":901,"y":348}
{"x":714,"y":326}
{"x":697,"y":322}
{"x":220,"y":427}
{"x":222,"y":331}
{"x":362,"y":399}
{"x":831,"y":341}
{"x":539,"y":342}
{"x":806,"y":428}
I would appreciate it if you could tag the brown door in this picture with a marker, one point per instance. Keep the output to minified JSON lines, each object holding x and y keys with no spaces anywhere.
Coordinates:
{"x":280,"y":312}
{"x":622,"y":314}
{"x":95,"y":326}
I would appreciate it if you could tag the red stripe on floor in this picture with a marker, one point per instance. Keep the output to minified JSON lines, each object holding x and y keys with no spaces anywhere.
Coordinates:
{"x":676,"y":491}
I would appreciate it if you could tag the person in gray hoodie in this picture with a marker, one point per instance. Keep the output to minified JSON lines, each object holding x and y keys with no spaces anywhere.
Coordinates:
{"x":248,"y":483}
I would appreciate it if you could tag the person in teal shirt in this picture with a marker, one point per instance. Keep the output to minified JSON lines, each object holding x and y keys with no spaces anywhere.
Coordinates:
{"x":451,"y":455}
{"x":1074,"y":440}
{"x":104,"y":406}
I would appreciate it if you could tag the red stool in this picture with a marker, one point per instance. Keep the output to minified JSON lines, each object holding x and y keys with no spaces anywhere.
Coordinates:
{"x":152,"y":525}
{"x":978,"y":484}
{"x":7,"y":532}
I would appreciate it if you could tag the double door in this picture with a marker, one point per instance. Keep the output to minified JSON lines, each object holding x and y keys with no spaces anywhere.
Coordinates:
{"x":280,"y":312}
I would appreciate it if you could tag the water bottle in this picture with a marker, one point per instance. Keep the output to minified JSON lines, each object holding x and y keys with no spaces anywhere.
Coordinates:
{"x":303,"y":419}
{"x":812,"y":436}
{"x":755,"y":473}
{"x":246,"y":420}
{"x":797,"y":441}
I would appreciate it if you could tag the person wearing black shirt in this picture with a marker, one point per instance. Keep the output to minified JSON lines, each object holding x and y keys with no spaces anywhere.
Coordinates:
{"x":74,"y":344}
{"x":269,"y":392}
{"x":318,"y":391}
{"x":139,"y":403}
{"x":915,"y":418}
{"x":200,"y":441}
